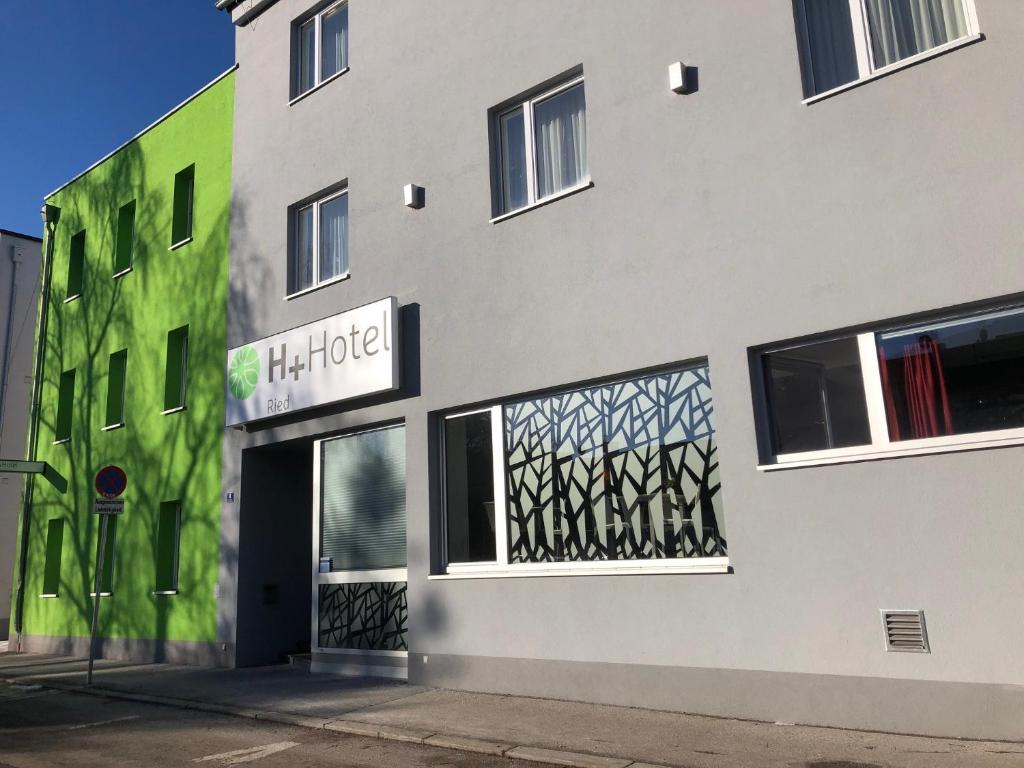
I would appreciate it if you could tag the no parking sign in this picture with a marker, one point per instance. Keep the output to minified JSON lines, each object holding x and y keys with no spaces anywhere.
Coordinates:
{"x":111,"y":482}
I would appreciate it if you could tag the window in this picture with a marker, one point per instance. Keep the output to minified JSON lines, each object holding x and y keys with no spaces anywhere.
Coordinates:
{"x":176,"y":370}
{"x":540,"y":147}
{"x":109,"y":550}
{"x":952,"y":382}
{"x":320,"y":253}
{"x":184,"y":192}
{"x":125,"y":243}
{"x":168,"y":537}
{"x":54,"y":545}
{"x":76,"y":265}
{"x":322,"y":47}
{"x":469,"y":486}
{"x":65,"y":406}
{"x":115,"y":388}
{"x":611,"y":477}
{"x":845,"y":40}
{"x":362,"y":500}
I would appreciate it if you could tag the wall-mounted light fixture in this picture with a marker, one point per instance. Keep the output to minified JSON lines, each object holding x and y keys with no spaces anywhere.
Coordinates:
{"x":415,"y":196}
{"x":681,"y":78}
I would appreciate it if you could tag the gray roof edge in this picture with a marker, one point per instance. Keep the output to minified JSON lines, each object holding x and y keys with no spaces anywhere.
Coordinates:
{"x":145,"y":130}
{"x":256,"y":7}
{"x":12,"y":233}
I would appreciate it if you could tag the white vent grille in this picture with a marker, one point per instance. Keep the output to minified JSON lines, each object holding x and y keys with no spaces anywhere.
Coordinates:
{"x":905,"y":631}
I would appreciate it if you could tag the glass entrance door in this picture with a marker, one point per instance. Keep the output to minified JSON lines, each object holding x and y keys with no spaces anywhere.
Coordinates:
{"x":359,"y":551}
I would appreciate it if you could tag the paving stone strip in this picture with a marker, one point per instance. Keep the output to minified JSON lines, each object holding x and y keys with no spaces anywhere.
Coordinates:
{"x":356,"y":728}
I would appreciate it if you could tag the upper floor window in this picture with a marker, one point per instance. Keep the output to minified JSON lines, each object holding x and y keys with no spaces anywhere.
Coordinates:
{"x":65,"y":406}
{"x":845,"y":40}
{"x":124,"y":245}
{"x":924,"y":387}
{"x":321,"y":47}
{"x":184,"y":194}
{"x":116,"y":380}
{"x":176,"y":369}
{"x":540,"y":146}
{"x":320,"y":242}
{"x":76,"y":265}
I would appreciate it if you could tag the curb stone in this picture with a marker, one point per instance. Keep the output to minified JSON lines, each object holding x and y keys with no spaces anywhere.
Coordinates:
{"x":574,"y":759}
{"x":356,"y":728}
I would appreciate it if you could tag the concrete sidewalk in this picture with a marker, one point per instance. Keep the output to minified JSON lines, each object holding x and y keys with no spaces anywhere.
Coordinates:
{"x":553,"y":732}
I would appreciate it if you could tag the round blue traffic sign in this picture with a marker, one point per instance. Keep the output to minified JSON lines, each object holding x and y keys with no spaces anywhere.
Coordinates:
{"x":111,"y":482}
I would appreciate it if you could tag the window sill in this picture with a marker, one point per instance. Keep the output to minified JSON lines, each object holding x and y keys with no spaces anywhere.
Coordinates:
{"x":122,"y":273}
{"x":953,"y":444}
{"x":49,"y":595}
{"x":591,"y":568}
{"x":111,"y":427}
{"x":896,"y":66}
{"x":102,"y":594}
{"x":162,"y":592}
{"x":62,"y":441}
{"x":69,"y":299}
{"x":317,"y":287}
{"x":176,"y":409}
{"x":180,"y":243}
{"x":318,"y":86}
{"x":544,"y":201}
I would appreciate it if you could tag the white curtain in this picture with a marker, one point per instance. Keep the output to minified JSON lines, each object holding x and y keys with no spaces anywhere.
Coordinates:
{"x":334,"y":237}
{"x":561,"y":138}
{"x":902,"y":28}
{"x":334,"y":33}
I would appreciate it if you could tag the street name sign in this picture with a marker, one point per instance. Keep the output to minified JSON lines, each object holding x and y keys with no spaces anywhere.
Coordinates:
{"x":16,"y":465}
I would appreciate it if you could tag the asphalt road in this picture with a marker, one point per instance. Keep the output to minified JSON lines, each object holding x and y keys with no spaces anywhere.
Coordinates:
{"x":39,"y":727}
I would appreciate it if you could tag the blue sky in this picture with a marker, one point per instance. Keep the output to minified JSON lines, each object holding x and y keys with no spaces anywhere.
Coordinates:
{"x":80,"y":77}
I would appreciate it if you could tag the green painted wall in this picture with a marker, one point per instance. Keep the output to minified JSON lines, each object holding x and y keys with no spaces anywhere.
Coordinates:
{"x":166,"y":456}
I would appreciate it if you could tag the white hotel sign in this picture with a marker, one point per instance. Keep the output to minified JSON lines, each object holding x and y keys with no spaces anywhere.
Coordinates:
{"x":338,"y":358}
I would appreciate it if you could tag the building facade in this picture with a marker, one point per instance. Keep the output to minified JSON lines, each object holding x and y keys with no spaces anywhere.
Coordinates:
{"x":19,"y":274}
{"x":133,"y":377}
{"x":707,"y":327}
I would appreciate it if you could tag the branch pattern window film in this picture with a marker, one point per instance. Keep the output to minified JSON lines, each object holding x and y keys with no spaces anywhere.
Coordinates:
{"x":370,"y":616}
{"x":620,"y":471}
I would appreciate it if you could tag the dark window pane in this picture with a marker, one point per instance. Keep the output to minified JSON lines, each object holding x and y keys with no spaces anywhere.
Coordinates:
{"x":816,"y":397}
{"x":115,"y":388}
{"x":65,"y":405}
{"x":176,"y":368}
{"x":109,"y":548}
{"x":184,"y":188}
{"x":469,"y":488}
{"x":125,"y":237}
{"x":307,"y":56}
{"x":512,"y":135}
{"x":54,"y":545}
{"x":827,"y":51}
{"x":167,"y":546}
{"x":955,"y":377}
{"x":76,"y":264}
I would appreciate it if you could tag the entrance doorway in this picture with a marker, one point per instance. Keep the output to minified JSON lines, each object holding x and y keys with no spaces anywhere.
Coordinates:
{"x":359,"y":612}
{"x":273,"y":553}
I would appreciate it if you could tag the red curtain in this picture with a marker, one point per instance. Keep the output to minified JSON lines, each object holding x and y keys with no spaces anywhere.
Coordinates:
{"x":924,"y":387}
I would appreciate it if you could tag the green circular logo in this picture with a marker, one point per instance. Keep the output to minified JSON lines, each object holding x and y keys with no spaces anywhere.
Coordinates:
{"x":244,"y":373}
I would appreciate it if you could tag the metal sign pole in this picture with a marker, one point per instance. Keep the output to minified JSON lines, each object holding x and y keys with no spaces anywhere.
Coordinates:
{"x":96,"y":599}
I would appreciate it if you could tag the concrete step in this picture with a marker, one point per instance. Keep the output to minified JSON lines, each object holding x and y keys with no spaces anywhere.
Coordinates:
{"x":300,"y":660}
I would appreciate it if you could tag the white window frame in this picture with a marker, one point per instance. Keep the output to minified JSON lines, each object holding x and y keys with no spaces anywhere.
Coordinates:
{"x":862,"y":46}
{"x":294,"y":249}
{"x":532,"y":199}
{"x":881,"y":446}
{"x":502,"y":568}
{"x":319,"y":79}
